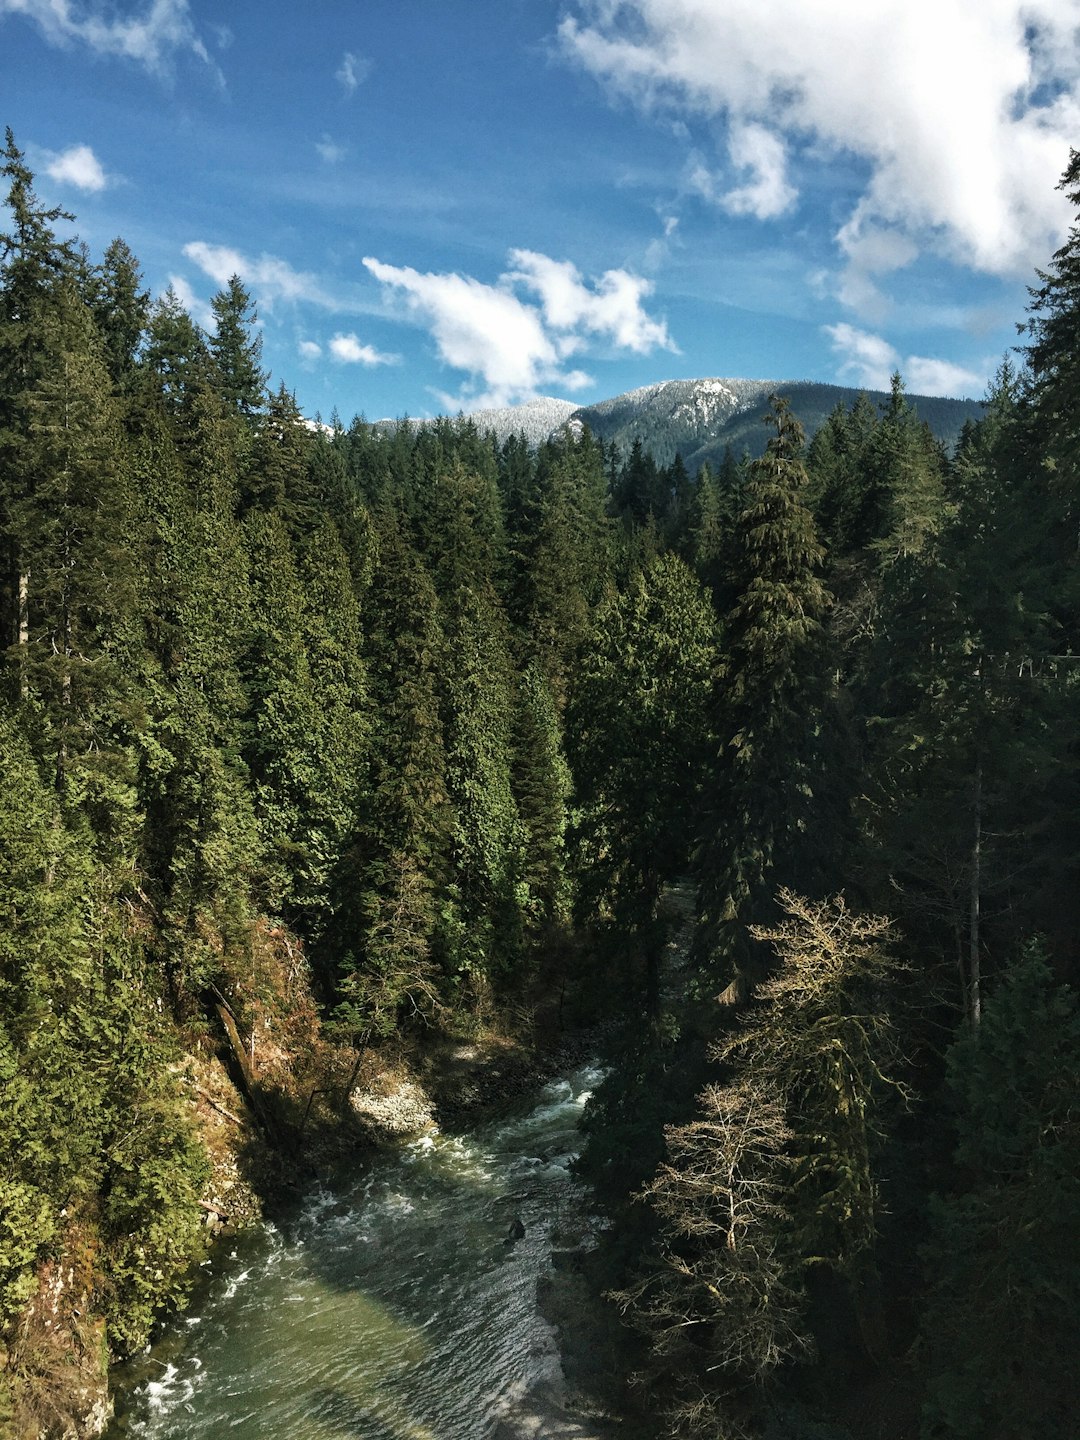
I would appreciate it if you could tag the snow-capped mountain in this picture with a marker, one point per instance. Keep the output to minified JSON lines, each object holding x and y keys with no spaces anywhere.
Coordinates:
{"x":699,"y":419}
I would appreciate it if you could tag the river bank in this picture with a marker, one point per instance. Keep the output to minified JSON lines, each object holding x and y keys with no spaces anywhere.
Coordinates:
{"x":398,"y":1302}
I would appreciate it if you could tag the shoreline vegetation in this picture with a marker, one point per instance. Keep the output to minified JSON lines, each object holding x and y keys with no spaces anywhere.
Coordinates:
{"x":350,"y":770}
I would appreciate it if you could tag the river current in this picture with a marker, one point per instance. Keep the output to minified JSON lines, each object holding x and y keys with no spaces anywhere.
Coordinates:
{"x":396,"y":1305}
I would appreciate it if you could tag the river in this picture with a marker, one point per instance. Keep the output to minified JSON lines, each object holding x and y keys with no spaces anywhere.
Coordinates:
{"x":395,"y":1305}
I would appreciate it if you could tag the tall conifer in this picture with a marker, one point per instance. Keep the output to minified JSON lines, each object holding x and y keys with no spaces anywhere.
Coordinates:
{"x":768,"y":707}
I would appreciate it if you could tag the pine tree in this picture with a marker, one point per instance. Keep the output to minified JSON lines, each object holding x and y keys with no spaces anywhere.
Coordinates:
{"x":1055,"y":374}
{"x":764,"y":815}
{"x":282,"y":721}
{"x":237,"y":350}
{"x":1002,"y":1326}
{"x":332,"y":643}
{"x":200,"y":846}
{"x":393,"y":916}
{"x":542,"y":784}
{"x":121,"y":309}
{"x":35,"y":265}
{"x":637,"y":736}
{"x":278,"y":477}
{"x":566,"y":560}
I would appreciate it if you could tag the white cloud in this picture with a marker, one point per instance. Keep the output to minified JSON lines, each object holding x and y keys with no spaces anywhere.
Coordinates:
{"x":352,"y":72}
{"x":330,"y":151}
{"x":482,"y":329}
{"x":941,"y":377}
{"x":309,"y":350}
{"x":79,"y":166}
{"x":514,"y":348}
{"x":269,"y":277}
{"x":868,"y":361}
{"x":963,"y":119}
{"x":150,"y":38}
{"x":198,"y":309}
{"x":348,"y":350}
{"x":611,"y":311}
{"x":657,"y":250}
{"x":767,"y":193}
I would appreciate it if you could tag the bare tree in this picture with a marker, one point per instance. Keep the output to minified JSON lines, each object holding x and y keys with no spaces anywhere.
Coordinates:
{"x":723,"y":1304}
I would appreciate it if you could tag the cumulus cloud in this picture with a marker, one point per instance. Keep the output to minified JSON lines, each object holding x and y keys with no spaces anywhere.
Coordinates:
{"x":348,"y":350}
{"x":612,"y":310}
{"x":267,"y":276}
{"x":963,"y":120}
{"x":926,"y":376}
{"x":352,"y":72}
{"x":79,"y":166}
{"x":868,"y":361}
{"x":151,"y":36}
{"x":484,"y":330}
{"x":515,"y":347}
{"x":310,"y":350}
{"x":767,"y":193}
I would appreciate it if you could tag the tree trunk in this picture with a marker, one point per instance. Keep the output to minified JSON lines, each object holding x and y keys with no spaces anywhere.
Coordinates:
{"x":22,"y":622}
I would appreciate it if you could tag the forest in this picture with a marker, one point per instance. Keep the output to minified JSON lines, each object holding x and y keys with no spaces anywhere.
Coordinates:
{"x":317,"y":736}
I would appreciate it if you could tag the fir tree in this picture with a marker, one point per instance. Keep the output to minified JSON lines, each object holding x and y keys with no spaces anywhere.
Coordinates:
{"x":637,"y":733}
{"x":121,"y":309}
{"x":763,"y":812}
{"x":1003,"y":1323}
{"x":236,"y":347}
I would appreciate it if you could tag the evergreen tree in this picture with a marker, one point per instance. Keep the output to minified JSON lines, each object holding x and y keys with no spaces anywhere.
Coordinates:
{"x":200,"y":845}
{"x":237,"y":350}
{"x":566,"y":560}
{"x":96,"y":1151}
{"x":765,"y":822}
{"x":393,"y":918}
{"x":541,"y":783}
{"x":1002,"y":1328}
{"x":637,"y":735}
{"x":121,"y":310}
{"x":961,"y":708}
{"x":34,"y":265}
{"x":278,"y":477}
{"x":1055,"y":381}
{"x":282,"y":720}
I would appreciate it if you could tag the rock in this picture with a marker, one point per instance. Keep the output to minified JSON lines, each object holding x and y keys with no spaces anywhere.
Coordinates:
{"x":397,"y":1109}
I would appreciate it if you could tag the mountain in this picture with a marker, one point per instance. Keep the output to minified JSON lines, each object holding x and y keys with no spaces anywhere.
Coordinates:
{"x":699,"y":419}
{"x":537,"y":420}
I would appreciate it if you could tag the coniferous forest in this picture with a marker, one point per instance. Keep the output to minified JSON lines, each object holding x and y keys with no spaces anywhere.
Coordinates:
{"x":318,"y":739}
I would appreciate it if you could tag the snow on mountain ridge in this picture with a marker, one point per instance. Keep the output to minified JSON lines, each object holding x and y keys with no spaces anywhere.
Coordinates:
{"x":697,"y":419}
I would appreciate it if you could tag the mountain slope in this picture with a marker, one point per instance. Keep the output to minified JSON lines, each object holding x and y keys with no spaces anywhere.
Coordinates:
{"x":699,"y":419}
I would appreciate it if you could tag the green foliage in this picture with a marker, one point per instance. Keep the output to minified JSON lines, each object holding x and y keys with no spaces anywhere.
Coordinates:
{"x":422,"y":737}
{"x":542,"y":785}
{"x":121,"y":311}
{"x":1002,"y":1326}
{"x":94,"y":1126}
{"x":769,"y":708}
{"x":1051,"y":356}
{"x":637,"y":737}
{"x":237,"y":350}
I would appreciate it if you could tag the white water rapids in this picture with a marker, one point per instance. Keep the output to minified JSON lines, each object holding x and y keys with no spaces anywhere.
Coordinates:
{"x":391,"y":1307}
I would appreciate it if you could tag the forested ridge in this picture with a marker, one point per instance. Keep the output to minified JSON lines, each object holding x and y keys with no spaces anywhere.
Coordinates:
{"x":313,"y":736}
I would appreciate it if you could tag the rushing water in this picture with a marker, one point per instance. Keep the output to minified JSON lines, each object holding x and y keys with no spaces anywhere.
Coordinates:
{"x":391,"y":1307}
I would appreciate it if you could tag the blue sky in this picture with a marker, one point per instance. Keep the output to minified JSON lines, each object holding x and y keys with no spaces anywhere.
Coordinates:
{"x":441,"y":204}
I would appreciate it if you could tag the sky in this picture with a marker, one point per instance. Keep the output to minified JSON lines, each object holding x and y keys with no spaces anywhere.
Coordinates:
{"x":441,"y":205}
